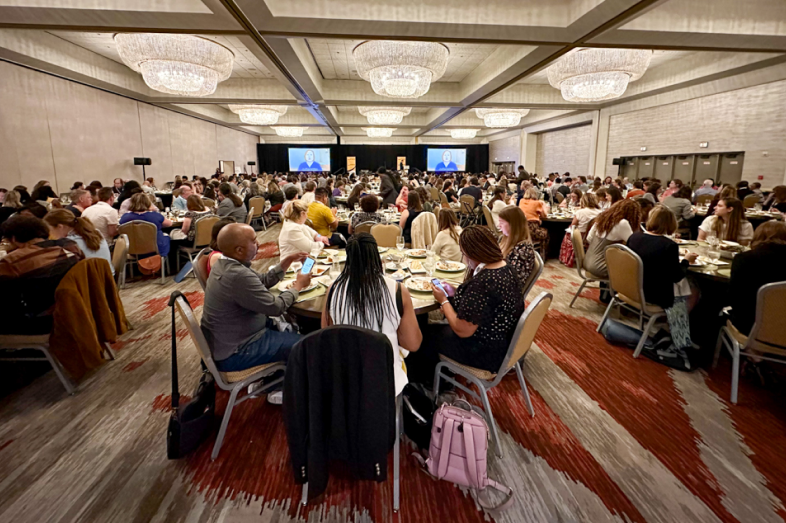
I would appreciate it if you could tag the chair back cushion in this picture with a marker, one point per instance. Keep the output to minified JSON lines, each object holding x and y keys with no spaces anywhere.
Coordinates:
{"x":120,"y":253}
{"x":141,"y":237}
{"x":537,"y":269}
{"x":770,"y":329}
{"x":208,"y":202}
{"x":525,"y":330}
{"x":364,"y":227}
{"x":625,"y":273}
{"x":186,"y":314}
{"x":750,"y":201}
{"x":578,"y":247}
{"x":489,"y":219}
{"x":385,"y":234}
{"x":200,"y":266}
{"x":257,"y":203}
{"x":204,"y":228}
{"x":704,"y":199}
{"x":443,"y":198}
{"x":559,"y":197}
{"x":467,"y":202}
{"x":434,"y":194}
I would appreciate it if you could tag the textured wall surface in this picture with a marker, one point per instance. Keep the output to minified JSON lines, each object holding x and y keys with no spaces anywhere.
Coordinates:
{"x":505,"y":150}
{"x":566,"y":150}
{"x":61,"y":131}
{"x":750,"y":120}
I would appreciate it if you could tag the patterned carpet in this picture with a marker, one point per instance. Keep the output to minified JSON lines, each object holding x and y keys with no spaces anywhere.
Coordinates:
{"x":613,"y":439}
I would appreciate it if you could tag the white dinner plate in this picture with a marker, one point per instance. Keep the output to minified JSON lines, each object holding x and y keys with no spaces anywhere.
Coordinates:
{"x":419,"y":284}
{"x":382,"y":249}
{"x":417,"y":253}
{"x":416,"y":267}
{"x":450,"y":266}
{"x":333,"y":257}
{"x":287,"y":284}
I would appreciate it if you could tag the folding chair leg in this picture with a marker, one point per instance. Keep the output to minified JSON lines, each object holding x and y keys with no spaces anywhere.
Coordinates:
{"x":224,"y":422}
{"x":487,"y":407}
{"x":718,"y":346}
{"x":109,"y":351}
{"x":645,"y":334}
{"x":735,"y":371}
{"x":59,"y":371}
{"x":581,"y":288}
{"x":437,"y":378}
{"x":304,"y":494}
{"x":606,"y":314}
{"x":397,"y":458}
{"x":523,"y":384}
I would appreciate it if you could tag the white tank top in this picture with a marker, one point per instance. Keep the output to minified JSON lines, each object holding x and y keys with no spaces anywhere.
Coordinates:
{"x":390,"y":323}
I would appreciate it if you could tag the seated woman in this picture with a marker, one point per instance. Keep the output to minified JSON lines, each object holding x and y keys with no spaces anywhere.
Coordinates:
{"x":354,"y":196}
{"x":30,"y":274}
{"x":726,"y":191}
{"x":295,"y":235}
{"x":653,"y":193}
{"x":664,"y":274}
{"x":499,"y":200}
{"x":11,"y":205}
{"x":412,"y":211}
{"x":603,"y":199}
{"x":728,"y":223}
{"x":679,"y":203}
{"x":230,"y":204}
{"x":402,"y":199}
{"x":482,"y":313}
{"x":196,"y":211}
{"x":573,"y":199}
{"x":516,"y":243}
{"x":363,"y":297}
{"x":614,"y":225}
{"x":777,"y":200}
{"x":369,"y":206}
{"x":613,"y":195}
{"x":581,"y":218}
{"x":63,"y":224}
{"x":140,"y":211}
{"x":215,"y":253}
{"x":275,"y":195}
{"x":753,"y":269}
{"x":446,"y":244}
{"x":535,"y":210}
{"x":425,"y":199}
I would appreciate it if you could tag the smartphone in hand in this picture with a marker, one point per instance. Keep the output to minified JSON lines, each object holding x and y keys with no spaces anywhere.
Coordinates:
{"x":308,"y":265}
{"x":439,"y":286}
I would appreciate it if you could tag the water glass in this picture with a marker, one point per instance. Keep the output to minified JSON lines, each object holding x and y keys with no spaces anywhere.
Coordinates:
{"x":357,"y":207}
{"x":335,"y":270}
{"x":400,"y":243}
{"x":430,"y":263}
{"x":757,"y":207}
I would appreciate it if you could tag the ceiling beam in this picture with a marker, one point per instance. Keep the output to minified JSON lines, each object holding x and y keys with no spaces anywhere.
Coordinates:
{"x":673,"y":40}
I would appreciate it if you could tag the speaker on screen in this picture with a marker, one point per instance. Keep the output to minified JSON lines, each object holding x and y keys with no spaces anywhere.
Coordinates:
{"x":142,"y":161}
{"x":617,"y":161}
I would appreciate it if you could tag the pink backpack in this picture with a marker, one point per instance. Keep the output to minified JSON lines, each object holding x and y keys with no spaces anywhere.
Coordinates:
{"x":457,"y":453}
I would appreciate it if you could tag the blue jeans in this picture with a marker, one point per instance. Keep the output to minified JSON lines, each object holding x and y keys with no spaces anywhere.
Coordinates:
{"x":272,"y":346}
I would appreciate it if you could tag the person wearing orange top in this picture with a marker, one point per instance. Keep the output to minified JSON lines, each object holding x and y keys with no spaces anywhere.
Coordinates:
{"x":535,"y":210}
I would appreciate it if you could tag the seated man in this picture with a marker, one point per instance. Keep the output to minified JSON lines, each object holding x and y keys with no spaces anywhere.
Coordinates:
{"x":30,"y":274}
{"x":238,"y":303}
{"x":324,"y":218}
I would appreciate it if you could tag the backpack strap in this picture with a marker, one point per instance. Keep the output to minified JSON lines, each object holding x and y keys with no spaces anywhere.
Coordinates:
{"x":469,"y":450}
{"x":175,"y":387}
{"x":444,"y":453}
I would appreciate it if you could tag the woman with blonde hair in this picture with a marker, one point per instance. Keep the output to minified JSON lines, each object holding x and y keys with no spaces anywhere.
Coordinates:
{"x":140,"y":211}
{"x":63,"y":224}
{"x":581,"y":218}
{"x":295,"y":235}
{"x":11,"y":205}
{"x":516,"y":243}
{"x":535,"y":210}
{"x":446,"y":244}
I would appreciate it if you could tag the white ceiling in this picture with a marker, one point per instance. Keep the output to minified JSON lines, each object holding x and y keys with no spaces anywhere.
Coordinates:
{"x":161,"y":6}
{"x":335,"y":61}
{"x":246,"y":64}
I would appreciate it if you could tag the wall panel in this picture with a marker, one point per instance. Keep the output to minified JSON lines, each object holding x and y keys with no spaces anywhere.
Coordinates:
{"x":565,"y":150}
{"x":505,"y":150}
{"x":156,"y":142}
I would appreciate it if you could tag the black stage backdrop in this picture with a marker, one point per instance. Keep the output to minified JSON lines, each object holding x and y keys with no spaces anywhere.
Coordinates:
{"x":273,"y":157}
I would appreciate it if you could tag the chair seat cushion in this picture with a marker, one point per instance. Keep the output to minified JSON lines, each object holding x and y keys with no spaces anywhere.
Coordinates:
{"x":737,"y":335}
{"x":22,"y":341}
{"x":591,"y":276}
{"x":478,"y":373}
{"x":240,"y":375}
{"x":651,"y":309}
{"x":756,"y":346}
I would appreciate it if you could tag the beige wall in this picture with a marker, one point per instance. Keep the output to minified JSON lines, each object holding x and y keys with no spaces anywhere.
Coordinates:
{"x":751,"y":120}
{"x":62,"y":131}
{"x":565,"y":150}
{"x":505,"y":150}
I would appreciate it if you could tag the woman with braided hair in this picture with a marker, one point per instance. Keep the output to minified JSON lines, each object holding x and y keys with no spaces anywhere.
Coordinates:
{"x":482,"y":312}
{"x":614,"y":225}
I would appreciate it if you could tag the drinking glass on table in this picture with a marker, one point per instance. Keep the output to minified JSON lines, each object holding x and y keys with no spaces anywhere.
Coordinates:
{"x":400,"y":243}
{"x":315,"y":250}
{"x":430,"y":263}
{"x":335,"y":269}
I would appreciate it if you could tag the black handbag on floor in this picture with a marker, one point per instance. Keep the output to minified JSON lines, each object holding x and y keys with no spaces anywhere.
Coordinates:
{"x":192,"y":422}
{"x":418,"y":413}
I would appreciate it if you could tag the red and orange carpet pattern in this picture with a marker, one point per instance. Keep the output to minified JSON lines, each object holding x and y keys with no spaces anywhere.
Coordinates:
{"x":613,"y":439}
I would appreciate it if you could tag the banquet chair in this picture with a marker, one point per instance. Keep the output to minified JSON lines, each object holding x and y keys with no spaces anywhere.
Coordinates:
{"x":443,"y":200}
{"x":704,"y":199}
{"x":142,"y":239}
{"x":537,"y":270}
{"x":490,"y":220}
{"x":750,"y":201}
{"x":209,"y":203}
{"x":202,"y":239}
{"x":469,"y":214}
{"x":386,"y":234}
{"x":626,"y":278}
{"x":325,"y":348}
{"x":559,"y":197}
{"x":434,"y":194}
{"x":578,"y":250}
{"x":768,"y":335}
{"x":484,"y":380}
{"x":200,"y":266}
{"x":256,"y":210}
{"x":364,"y":227}
{"x":39,"y":342}
{"x":119,"y":259}
{"x":233,"y":382}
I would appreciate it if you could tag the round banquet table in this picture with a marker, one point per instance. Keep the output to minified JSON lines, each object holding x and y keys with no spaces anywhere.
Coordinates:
{"x":423,"y":302}
{"x":556,"y":225}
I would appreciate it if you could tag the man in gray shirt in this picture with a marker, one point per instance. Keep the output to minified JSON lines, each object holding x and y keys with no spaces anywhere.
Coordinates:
{"x":238,"y":303}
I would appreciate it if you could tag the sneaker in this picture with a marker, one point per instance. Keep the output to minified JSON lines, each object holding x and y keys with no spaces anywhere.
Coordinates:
{"x":276,"y":397}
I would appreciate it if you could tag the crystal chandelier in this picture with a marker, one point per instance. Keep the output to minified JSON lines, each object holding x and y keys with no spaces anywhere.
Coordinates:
{"x":592,"y":75}
{"x":463,"y":134}
{"x":289,"y":132}
{"x":185,"y":65}
{"x":501,"y":117}
{"x":384,"y":115}
{"x":379,"y":132}
{"x":400,"y":69}
{"x":258,"y":114}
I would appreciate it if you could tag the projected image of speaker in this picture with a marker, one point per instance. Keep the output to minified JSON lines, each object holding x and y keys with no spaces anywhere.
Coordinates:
{"x":142,"y":161}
